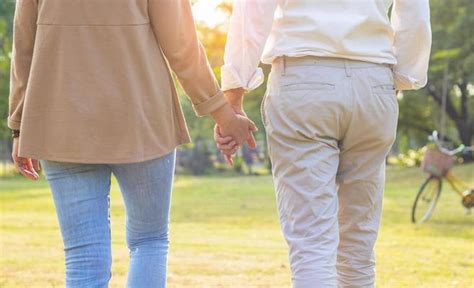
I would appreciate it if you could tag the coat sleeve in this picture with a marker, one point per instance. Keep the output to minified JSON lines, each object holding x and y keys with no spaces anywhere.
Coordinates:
{"x":173,"y":24}
{"x":24,"y":33}
{"x":250,"y":26}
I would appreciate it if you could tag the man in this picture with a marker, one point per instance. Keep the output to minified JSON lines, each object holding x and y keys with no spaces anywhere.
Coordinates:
{"x":330,"y":113}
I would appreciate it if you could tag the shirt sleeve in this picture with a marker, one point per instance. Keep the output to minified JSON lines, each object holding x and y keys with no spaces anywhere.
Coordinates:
{"x":24,"y":33}
{"x":412,"y":43}
{"x":173,"y":24}
{"x":250,"y":26}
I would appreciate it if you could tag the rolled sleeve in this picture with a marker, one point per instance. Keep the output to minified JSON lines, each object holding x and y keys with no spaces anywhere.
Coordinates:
{"x":403,"y":82}
{"x":13,"y":124}
{"x":250,"y":26}
{"x":231,"y":79}
{"x":210,"y":105}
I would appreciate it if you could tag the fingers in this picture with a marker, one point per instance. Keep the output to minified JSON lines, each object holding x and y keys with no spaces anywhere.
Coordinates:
{"x":251,"y":141}
{"x":252,"y":126}
{"x":36,"y":165}
{"x":224,"y":140}
{"x":25,"y":167}
{"x":22,"y":164}
{"x":231,"y":151}
{"x":225,"y":144}
{"x":229,"y":160}
{"x":218,"y":136}
{"x":229,"y":146}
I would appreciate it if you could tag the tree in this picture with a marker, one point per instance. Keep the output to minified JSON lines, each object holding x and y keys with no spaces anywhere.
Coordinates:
{"x":6,"y":19}
{"x":452,"y":64}
{"x":451,"y":73}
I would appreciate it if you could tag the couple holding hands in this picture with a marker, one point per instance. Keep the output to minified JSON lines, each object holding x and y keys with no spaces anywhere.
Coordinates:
{"x":92,"y":95}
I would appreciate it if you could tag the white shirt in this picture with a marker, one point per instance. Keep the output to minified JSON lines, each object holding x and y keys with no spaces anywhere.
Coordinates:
{"x":351,"y":29}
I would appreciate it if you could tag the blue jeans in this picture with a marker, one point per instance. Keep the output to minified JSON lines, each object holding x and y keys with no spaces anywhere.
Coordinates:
{"x":81,"y":197}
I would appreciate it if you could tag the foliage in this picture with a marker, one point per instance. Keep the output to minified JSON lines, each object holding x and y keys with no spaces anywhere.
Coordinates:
{"x":196,"y":158}
{"x":452,"y":62}
{"x":412,"y":158}
{"x":6,"y":19}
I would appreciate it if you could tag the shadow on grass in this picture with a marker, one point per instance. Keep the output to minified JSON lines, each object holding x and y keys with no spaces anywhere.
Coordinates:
{"x":460,"y":228}
{"x":452,"y":222}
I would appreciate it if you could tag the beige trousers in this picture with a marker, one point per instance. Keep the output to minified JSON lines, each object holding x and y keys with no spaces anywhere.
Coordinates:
{"x":330,"y":125}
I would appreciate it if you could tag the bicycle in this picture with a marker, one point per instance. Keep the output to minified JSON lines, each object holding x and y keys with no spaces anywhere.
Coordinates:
{"x":437,"y":162}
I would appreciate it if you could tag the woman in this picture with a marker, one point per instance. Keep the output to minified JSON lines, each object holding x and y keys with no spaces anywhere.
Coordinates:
{"x":92,"y":95}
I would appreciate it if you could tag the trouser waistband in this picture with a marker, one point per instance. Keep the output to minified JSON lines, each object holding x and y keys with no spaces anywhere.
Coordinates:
{"x":283,"y":62}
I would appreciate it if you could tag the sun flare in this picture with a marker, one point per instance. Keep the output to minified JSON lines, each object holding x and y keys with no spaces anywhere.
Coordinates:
{"x":206,"y":11}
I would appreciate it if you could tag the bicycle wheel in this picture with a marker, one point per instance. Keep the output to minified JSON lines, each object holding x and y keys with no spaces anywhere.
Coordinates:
{"x":426,"y":199}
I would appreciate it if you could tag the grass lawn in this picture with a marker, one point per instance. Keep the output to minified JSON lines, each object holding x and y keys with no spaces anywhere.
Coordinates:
{"x":225,"y":233}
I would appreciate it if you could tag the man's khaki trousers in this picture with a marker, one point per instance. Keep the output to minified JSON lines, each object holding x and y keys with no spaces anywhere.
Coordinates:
{"x":330,"y":125}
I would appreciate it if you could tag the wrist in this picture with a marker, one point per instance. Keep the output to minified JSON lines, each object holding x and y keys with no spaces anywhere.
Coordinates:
{"x":224,"y":115}
{"x":235,"y":97}
{"x":15,"y":133}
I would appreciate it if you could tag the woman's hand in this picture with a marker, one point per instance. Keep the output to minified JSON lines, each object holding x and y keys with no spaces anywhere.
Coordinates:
{"x":26,"y":166}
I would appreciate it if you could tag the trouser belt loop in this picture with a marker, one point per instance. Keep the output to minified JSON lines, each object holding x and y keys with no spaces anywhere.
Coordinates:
{"x":348,"y":68}
{"x":284,"y":65}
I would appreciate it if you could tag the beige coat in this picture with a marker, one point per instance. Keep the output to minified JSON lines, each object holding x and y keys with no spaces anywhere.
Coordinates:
{"x":90,"y":81}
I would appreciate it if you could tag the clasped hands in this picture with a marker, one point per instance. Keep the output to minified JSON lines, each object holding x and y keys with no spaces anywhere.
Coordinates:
{"x":230,"y":134}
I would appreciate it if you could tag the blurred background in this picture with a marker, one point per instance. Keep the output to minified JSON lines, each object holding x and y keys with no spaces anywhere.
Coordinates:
{"x":225,"y":230}
{"x":449,"y":89}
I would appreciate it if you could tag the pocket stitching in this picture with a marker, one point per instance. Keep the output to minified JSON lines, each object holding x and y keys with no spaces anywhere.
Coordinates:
{"x":386,"y":92}
{"x":302,"y":86}
{"x":383,"y":88}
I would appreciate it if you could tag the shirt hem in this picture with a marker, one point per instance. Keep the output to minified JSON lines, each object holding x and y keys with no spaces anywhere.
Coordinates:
{"x":377,"y":60}
{"x":93,"y":25}
{"x":97,"y":160}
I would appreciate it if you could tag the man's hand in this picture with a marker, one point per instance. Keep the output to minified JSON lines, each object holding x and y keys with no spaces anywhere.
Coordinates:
{"x":26,"y":166}
{"x":236,"y":99}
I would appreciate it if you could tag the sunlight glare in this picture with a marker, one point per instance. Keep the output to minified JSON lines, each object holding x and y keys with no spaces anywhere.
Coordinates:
{"x":206,"y":11}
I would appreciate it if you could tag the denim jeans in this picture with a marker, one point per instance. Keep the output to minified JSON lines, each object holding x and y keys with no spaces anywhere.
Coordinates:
{"x":81,"y":197}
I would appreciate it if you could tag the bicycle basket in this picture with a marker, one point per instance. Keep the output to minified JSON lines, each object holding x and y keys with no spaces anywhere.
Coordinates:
{"x":436,"y":162}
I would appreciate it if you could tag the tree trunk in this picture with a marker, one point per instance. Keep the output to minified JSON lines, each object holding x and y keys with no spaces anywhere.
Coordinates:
{"x":465,"y":131}
{"x":463,"y":125}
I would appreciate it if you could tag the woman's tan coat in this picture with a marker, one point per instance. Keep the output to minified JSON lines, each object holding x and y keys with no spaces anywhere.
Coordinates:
{"x":90,"y":81}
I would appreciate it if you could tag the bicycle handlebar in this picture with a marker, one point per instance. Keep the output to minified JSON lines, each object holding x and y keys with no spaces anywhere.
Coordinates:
{"x":461,"y":149}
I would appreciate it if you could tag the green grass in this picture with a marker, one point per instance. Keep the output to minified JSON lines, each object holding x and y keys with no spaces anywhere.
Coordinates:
{"x":225,"y":233}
